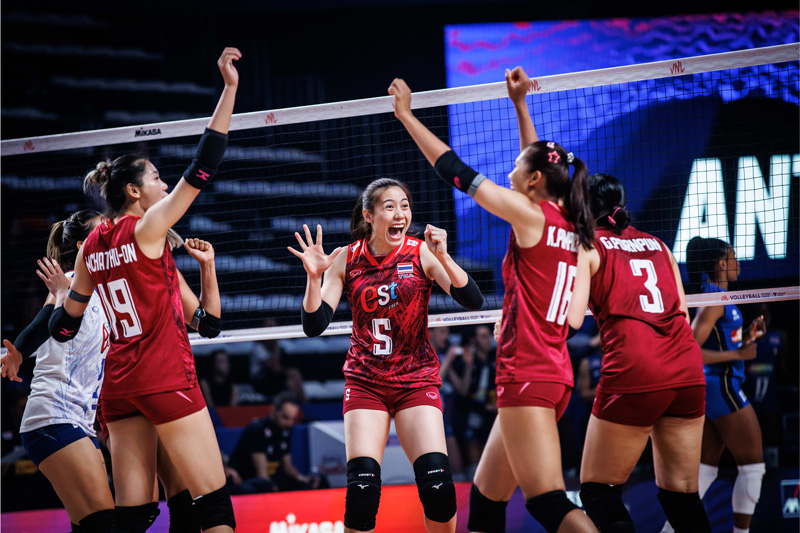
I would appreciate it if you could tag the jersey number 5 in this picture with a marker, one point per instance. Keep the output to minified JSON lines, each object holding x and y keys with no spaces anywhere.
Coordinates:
{"x":639,"y":268}
{"x":384,"y":347}
{"x":562,"y":293}
{"x":120,"y":301}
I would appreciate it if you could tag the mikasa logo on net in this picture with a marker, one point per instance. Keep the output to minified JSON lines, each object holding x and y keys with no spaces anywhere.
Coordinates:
{"x":145,"y":132}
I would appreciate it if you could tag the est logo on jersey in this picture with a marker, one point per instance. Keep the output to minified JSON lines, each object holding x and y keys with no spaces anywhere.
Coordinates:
{"x":372,"y":297}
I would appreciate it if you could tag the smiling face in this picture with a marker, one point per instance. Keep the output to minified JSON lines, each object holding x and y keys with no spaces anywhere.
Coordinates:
{"x":152,"y":189}
{"x":390,"y":219}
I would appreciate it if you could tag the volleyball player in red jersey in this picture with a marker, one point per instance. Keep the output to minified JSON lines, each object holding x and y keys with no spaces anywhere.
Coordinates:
{"x":151,"y":389}
{"x":652,"y":383}
{"x":391,"y":368}
{"x":550,"y":221}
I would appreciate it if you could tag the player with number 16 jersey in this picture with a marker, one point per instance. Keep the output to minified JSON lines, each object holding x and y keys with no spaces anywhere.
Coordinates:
{"x":389,"y":301}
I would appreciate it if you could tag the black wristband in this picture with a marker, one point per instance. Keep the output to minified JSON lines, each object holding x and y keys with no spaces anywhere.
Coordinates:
{"x":63,"y":326}
{"x":315,"y":323}
{"x":35,"y":333}
{"x":81,"y":298}
{"x":210,"y":151}
{"x":455,"y":172}
{"x":469,"y":295}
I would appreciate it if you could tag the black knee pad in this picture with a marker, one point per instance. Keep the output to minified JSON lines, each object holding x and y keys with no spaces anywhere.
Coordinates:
{"x":486,"y":515}
{"x":215,"y":509}
{"x":684,"y":510}
{"x":603,"y":504}
{"x":550,"y":508}
{"x":134,"y":519}
{"x":183,"y":515}
{"x":98,"y":522}
{"x":363,"y":493}
{"x":435,"y":486}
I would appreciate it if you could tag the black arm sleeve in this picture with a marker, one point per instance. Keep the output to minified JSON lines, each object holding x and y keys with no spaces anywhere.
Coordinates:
{"x":64,"y":327}
{"x":469,"y":295}
{"x":315,"y":323}
{"x":35,"y":333}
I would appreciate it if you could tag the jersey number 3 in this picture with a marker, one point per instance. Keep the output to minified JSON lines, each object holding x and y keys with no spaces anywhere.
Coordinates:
{"x":640,"y":267}
{"x":119,"y":301}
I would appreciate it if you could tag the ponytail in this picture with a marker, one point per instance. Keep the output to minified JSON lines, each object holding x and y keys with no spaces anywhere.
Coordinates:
{"x":578,"y":205}
{"x":54,"y":245}
{"x":607,"y":202}
{"x":359,"y":228}
{"x":62,"y":246}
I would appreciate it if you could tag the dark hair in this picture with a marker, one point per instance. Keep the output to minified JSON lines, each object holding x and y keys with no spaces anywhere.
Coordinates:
{"x":574,"y":192}
{"x":360,"y":228}
{"x":62,"y":246}
{"x":279,"y":400}
{"x":607,"y":199}
{"x":702,"y":256}
{"x":113,"y":177}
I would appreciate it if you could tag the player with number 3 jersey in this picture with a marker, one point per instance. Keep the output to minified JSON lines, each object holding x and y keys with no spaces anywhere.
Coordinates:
{"x":391,"y":368}
{"x":651,"y":383}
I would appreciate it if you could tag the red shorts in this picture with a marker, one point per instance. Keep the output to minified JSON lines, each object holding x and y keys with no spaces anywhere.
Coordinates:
{"x":644,"y":408}
{"x":364,"y":395}
{"x":159,"y":408}
{"x":535,"y":394}
{"x":100,"y":420}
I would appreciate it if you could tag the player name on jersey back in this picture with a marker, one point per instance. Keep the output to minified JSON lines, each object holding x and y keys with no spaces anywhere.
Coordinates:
{"x":561,"y":238}
{"x":631,"y":245}
{"x":111,"y":258}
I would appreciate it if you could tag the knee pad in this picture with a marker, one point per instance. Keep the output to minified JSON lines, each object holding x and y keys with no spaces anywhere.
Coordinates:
{"x":485,"y":515}
{"x":98,"y":522}
{"x":134,"y":519}
{"x":747,"y":488}
{"x":183,"y":516}
{"x":435,"y":486}
{"x":706,"y":477}
{"x":363,"y":493}
{"x":684,"y":510}
{"x":603,"y":504}
{"x":215,"y":509}
{"x":550,"y":508}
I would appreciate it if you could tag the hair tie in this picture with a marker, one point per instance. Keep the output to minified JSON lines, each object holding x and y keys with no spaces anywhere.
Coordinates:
{"x":612,"y":215}
{"x":570,"y":158}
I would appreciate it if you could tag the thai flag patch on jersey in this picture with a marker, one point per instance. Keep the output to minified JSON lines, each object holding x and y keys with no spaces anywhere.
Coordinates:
{"x":405,"y":268}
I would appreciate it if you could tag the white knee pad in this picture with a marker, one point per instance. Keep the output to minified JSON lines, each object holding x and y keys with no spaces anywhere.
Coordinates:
{"x":747,"y":488}
{"x":707,"y":476}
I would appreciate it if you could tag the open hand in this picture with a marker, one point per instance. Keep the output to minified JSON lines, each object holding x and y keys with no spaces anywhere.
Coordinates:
{"x":225,"y":64}
{"x":518,"y":84}
{"x":200,"y":250}
{"x":313,"y":256}
{"x":10,"y":362}
{"x":50,"y":272}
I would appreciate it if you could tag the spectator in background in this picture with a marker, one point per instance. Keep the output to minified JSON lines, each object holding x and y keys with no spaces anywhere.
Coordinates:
{"x":218,"y":389}
{"x":262,"y":460}
{"x":440,"y":340}
{"x":270,"y":375}
{"x":472,"y":373}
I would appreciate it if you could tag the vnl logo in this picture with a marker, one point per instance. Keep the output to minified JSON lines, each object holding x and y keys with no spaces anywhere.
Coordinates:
{"x":790,"y":490}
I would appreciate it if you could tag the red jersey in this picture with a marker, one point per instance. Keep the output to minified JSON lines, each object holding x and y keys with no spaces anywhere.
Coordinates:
{"x":538,"y":282}
{"x":389,"y":300}
{"x":647,"y":343}
{"x":150,"y":349}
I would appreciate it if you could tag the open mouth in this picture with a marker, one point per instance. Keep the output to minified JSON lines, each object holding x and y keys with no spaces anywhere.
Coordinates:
{"x":396,"y":231}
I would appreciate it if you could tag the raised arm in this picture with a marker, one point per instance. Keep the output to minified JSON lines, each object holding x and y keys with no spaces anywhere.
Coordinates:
{"x":203,"y":315}
{"x":321,"y":298}
{"x":518,"y":84}
{"x":511,"y":206}
{"x":153,"y":226}
{"x":439,"y":266}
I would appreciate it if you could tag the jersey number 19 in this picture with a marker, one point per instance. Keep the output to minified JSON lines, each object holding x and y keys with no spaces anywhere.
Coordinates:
{"x":119,"y":301}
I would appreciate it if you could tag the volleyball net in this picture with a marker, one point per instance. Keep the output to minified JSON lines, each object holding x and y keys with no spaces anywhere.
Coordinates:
{"x":705,"y":146}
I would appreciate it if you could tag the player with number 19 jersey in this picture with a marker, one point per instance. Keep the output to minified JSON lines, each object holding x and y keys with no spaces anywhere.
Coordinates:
{"x":389,"y":299}
{"x":150,"y":351}
{"x":647,"y":343}
{"x":538,"y":282}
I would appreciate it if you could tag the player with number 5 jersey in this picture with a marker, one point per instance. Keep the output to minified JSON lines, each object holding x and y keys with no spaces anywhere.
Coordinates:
{"x":651,"y":384}
{"x":391,"y":368}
